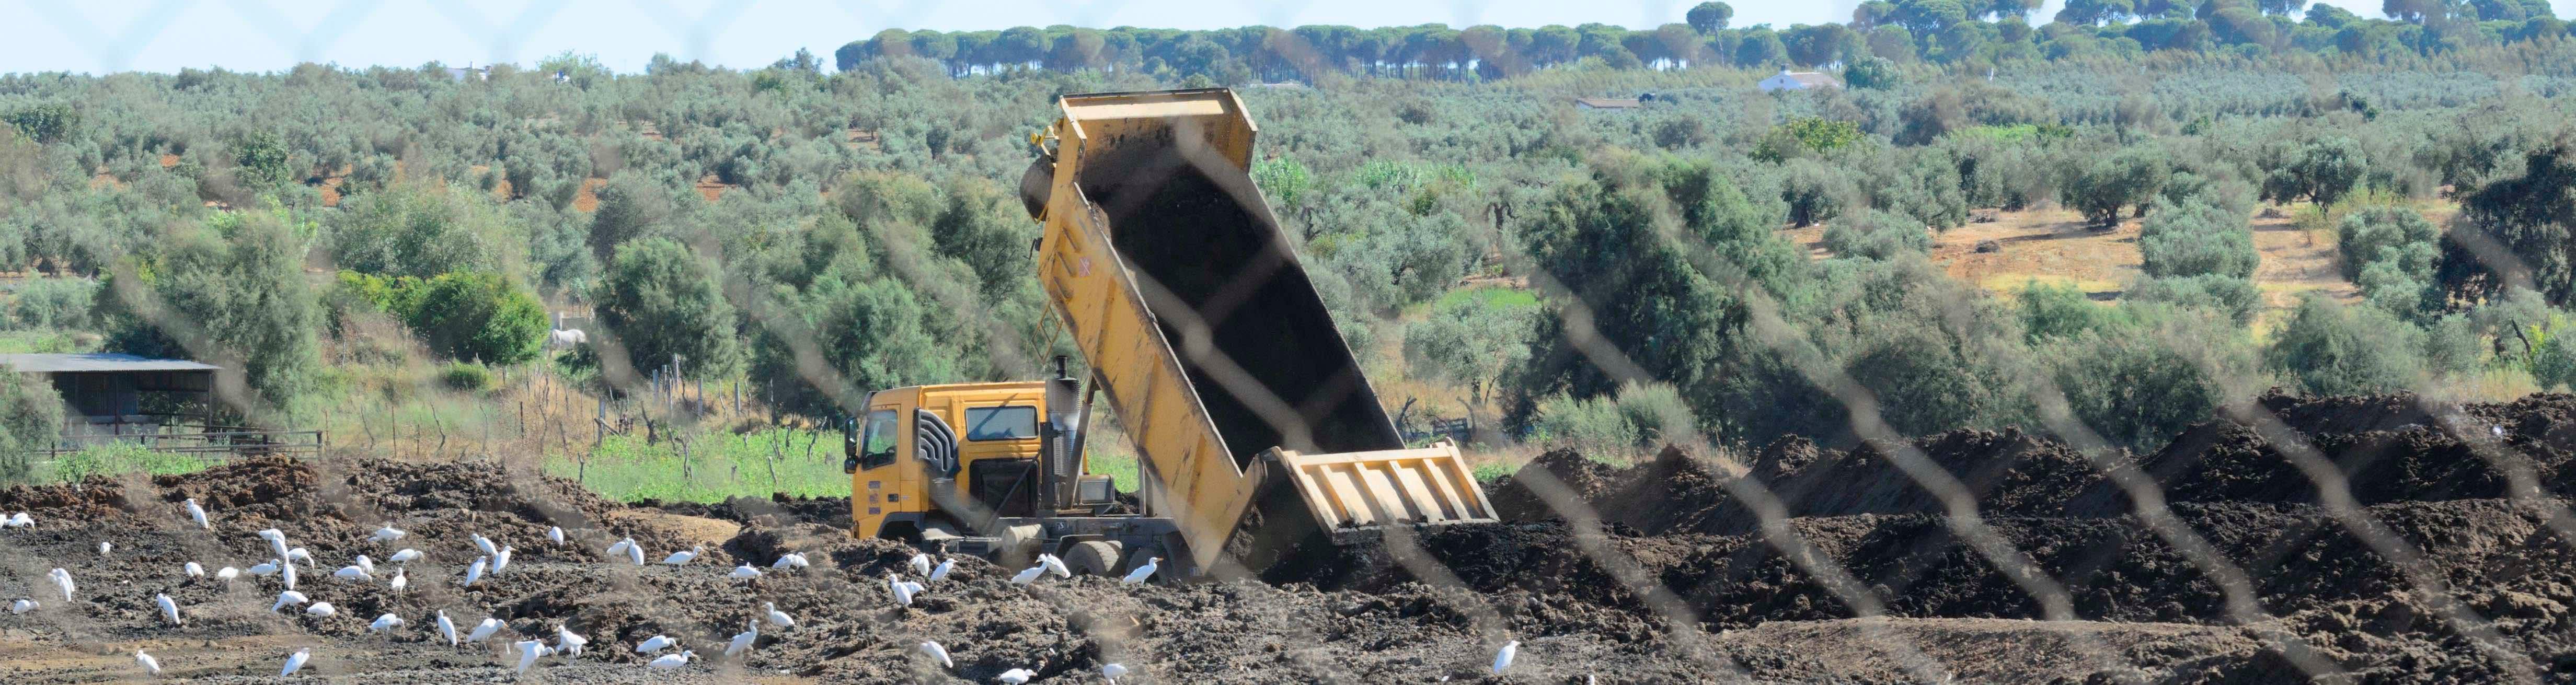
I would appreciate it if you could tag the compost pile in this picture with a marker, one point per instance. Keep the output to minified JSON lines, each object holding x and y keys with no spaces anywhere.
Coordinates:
{"x":1667,"y":571}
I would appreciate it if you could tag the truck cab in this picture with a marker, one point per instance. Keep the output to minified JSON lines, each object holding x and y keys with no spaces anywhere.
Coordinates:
{"x":976,"y":447}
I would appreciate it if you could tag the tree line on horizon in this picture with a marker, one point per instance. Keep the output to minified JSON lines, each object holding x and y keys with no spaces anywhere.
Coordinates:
{"x":1943,"y":32}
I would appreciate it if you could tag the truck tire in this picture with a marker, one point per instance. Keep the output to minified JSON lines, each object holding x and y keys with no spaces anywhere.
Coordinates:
{"x":1036,"y":184}
{"x":1095,"y":557}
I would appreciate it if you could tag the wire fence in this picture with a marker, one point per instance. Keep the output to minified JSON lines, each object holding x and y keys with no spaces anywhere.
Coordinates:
{"x":1768,"y":327}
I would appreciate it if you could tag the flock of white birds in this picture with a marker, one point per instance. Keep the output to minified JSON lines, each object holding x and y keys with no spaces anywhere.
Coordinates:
{"x":493,"y":560}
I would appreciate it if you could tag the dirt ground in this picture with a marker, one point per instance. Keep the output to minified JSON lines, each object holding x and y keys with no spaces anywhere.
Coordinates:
{"x":1664,"y":575}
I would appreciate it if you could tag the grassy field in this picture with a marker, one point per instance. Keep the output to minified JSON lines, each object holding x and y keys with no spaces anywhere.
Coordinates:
{"x":713,"y":468}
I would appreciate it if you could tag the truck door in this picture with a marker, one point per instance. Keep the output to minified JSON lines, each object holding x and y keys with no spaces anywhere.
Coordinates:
{"x":878,"y":480}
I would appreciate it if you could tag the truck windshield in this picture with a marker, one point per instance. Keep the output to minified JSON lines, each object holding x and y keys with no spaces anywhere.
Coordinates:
{"x":877,"y":448}
{"x":1001,"y":423}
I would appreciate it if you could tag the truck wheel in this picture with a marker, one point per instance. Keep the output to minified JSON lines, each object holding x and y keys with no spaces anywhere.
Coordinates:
{"x":1096,"y":558}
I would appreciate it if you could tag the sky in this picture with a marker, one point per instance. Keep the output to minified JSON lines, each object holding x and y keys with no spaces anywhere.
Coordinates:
{"x":101,"y":36}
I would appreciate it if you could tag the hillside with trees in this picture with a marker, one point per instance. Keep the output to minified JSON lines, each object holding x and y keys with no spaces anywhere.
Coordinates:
{"x":378,"y":250}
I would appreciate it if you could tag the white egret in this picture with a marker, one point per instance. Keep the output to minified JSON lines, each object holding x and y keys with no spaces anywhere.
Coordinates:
{"x":277,"y":544}
{"x":635,"y":553}
{"x":287,"y":573}
{"x":1017,"y":676}
{"x":920,"y":564}
{"x":1054,"y":565}
{"x":1143,"y":572}
{"x":682,"y":558}
{"x":744,"y":572}
{"x":655,"y":644}
{"x":384,"y":623}
{"x":485,"y":544}
{"x":353,"y":573}
{"x":941,"y":573}
{"x":446,"y":628}
{"x":169,"y":609}
{"x":1112,"y":671}
{"x":620,"y":547}
{"x":264,"y":569}
{"x":368,"y":564}
{"x":937,"y":653}
{"x":483,"y":631}
{"x":670,"y":661}
{"x":1028,"y":575}
{"x":528,"y":653}
{"x":903,"y":590}
{"x":776,"y":617}
{"x":1503,"y":657}
{"x":198,"y":514}
{"x":299,"y":554}
{"x":790,"y":560}
{"x":295,"y":663}
{"x":399,"y":581}
{"x":501,"y":560}
{"x":21,"y":606}
{"x":742,"y":640}
{"x":105,"y":547}
{"x":286,"y":599}
{"x":569,"y":642}
{"x":387,"y":534}
{"x":475,"y":572}
{"x":407,"y":555}
{"x":193,"y":570}
{"x":20,"y":520}
{"x":270,"y":534}
{"x":555,"y":534}
{"x":63,"y":579}
{"x":228,"y":573}
{"x":151,"y":665}
{"x":323,"y":609}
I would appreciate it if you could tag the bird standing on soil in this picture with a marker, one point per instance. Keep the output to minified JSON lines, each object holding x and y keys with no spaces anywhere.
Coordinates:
{"x":569,"y":642}
{"x":446,"y":628}
{"x":945,"y":567}
{"x":1503,"y":657}
{"x":682,"y":558}
{"x":555,"y":534}
{"x":655,"y":644}
{"x":366,"y":563}
{"x":299,"y":554}
{"x":22,"y":606}
{"x":937,"y":653}
{"x":920,"y":564}
{"x":501,"y":560}
{"x":620,"y":547}
{"x":1028,"y":575}
{"x":483,"y":631}
{"x":387,"y":534}
{"x":264,"y":569}
{"x":192,"y":570}
{"x":789,"y":560}
{"x":1054,"y":565}
{"x":151,"y":666}
{"x":407,"y":555}
{"x":227,"y":573}
{"x":485,"y":544}
{"x":399,"y":581}
{"x":169,"y":609}
{"x":1112,"y":672}
{"x":20,"y":520}
{"x":635,"y":553}
{"x":744,"y":572}
{"x":322,"y":609}
{"x":353,"y":573}
{"x":198,"y":514}
{"x":475,"y":572}
{"x":903,"y":590}
{"x":384,"y":623}
{"x":296,"y":662}
{"x":776,"y":617}
{"x":743,"y":640}
{"x":105,"y":547}
{"x":1017,"y":676}
{"x":286,"y":599}
{"x":63,"y":579}
{"x":1143,"y":572}
{"x":287,"y":573}
{"x":670,"y":661}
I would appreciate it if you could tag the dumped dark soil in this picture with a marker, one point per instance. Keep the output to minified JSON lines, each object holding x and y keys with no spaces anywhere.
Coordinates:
{"x":1662,"y":573}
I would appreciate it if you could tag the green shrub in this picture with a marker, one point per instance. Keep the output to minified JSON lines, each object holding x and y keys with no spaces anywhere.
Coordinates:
{"x":2329,"y":349}
{"x":1872,"y":234}
{"x":31,"y":418}
{"x":2194,"y":238}
{"x":54,"y":303}
{"x":466,"y":376}
{"x":479,"y":316}
{"x":1593,"y":427}
{"x":2237,"y":298}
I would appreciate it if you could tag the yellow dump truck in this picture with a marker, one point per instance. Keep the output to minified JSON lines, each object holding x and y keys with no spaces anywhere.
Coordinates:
{"x":1258,"y":434}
